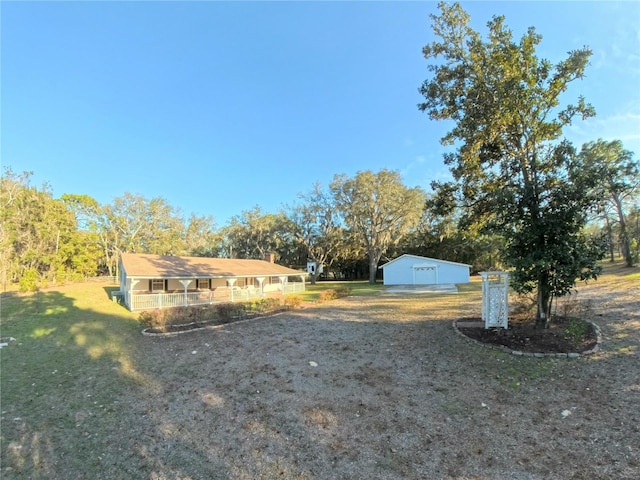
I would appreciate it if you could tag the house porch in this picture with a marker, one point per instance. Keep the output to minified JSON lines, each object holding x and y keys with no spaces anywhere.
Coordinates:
{"x":148,"y":299}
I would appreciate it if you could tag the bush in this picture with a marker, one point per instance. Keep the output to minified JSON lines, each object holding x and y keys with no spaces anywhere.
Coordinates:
{"x":332,"y":294}
{"x":29,"y":281}
{"x":292,"y":301}
{"x":327,"y":295}
{"x":269,"y":304}
{"x":161,"y":319}
{"x":166,"y":317}
{"x":577,"y":329}
{"x":153,"y":318}
{"x":229,"y":311}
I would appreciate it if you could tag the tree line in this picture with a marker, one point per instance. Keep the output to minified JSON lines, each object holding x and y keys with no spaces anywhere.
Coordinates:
{"x":348,"y":226}
{"x":521,"y":197}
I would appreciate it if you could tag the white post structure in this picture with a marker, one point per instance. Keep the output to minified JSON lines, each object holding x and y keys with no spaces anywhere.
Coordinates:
{"x":231,"y":282}
{"x":185,"y":284}
{"x":283,"y":283}
{"x":260,"y":282}
{"x":495,"y":299}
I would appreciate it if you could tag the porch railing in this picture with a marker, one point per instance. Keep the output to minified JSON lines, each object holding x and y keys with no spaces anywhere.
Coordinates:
{"x":150,"y":301}
{"x":294,"y":287}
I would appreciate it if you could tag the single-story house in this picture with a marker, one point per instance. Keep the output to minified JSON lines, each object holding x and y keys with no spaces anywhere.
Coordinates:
{"x":415,"y":270}
{"x":160,"y":281}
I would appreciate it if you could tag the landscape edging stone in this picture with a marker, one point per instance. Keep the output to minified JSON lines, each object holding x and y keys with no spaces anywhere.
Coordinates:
{"x":519,"y":353}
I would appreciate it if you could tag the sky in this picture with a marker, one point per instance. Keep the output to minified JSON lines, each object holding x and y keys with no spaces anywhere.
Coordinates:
{"x":219,"y":107}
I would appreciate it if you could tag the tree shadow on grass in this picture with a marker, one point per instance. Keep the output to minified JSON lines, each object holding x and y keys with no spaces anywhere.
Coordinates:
{"x":393,"y":391}
{"x":63,"y":381}
{"x":81,"y":398}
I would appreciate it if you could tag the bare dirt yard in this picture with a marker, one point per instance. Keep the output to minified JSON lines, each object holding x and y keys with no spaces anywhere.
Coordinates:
{"x":374,"y":387}
{"x":381,"y":387}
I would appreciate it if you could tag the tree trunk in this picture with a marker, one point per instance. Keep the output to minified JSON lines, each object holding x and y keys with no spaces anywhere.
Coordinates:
{"x":624,"y":235}
{"x":373,"y":268}
{"x":609,"y":239}
{"x":625,"y":245}
{"x":626,"y":249}
{"x":313,"y":277}
{"x":544,"y":304}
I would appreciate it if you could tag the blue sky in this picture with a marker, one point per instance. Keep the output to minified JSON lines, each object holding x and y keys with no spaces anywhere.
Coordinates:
{"x":221,"y":106}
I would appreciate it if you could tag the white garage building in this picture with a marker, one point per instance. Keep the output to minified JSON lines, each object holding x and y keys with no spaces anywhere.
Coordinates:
{"x":415,"y":270}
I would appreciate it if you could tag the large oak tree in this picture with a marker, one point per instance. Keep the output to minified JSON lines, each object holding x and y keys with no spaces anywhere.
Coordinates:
{"x":380,"y":208}
{"x":514,"y":173}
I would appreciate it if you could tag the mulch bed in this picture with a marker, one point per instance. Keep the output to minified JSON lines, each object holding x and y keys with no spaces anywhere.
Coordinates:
{"x":564,"y":335}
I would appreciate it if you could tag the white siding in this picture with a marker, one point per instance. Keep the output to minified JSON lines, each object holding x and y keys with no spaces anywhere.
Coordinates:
{"x":402,"y":271}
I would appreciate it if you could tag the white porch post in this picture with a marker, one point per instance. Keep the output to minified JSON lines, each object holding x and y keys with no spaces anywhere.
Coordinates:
{"x":283,"y":283}
{"x":185,"y":284}
{"x":231,"y":282}
{"x":260,"y":281}
{"x":129,"y":294}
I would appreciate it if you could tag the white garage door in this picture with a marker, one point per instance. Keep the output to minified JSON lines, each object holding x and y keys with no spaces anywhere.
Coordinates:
{"x":425,"y":275}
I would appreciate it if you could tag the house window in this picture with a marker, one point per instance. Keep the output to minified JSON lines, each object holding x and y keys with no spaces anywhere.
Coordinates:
{"x":203,"y":284}
{"x":157,"y":285}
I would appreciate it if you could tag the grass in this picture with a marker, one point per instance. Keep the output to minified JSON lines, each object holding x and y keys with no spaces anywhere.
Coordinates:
{"x":61,"y":377}
{"x":519,"y":371}
{"x":79,"y":362}
{"x":364,"y":288}
{"x":75,"y":358}
{"x":358,"y":288}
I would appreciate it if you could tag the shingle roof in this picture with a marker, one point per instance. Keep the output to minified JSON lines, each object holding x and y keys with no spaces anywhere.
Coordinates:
{"x":167,"y":266}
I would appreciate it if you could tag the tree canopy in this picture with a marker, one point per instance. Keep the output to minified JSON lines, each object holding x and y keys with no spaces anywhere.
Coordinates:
{"x":619,"y":184}
{"x":253,"y":234}
{"x":513,"y":173}
{"x":315,"y":225}
{"x":379,"y":208}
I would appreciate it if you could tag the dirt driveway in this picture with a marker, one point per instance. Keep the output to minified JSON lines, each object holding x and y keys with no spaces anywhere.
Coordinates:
{"x":381,"y":387}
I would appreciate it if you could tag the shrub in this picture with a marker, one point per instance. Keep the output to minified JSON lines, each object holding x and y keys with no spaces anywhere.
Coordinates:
{"x":29,"y":281}
{"x":263,"y":305}
{"x":161,"y":319}
{"x":327,"y":295}
{"x":229,"y":311}
{"x":332,"y":294}
{"x":577,"y":329}
{"x":153,"y":318}
{"x":292,"y":301}
{"x":269,"y":304}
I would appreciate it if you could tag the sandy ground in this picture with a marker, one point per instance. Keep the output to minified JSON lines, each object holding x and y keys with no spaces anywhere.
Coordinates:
{"x":381,"y":387}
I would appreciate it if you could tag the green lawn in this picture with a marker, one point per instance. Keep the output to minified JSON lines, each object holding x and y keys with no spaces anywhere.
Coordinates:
{"x":62,"y":376}
{"x":357,"y":288}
